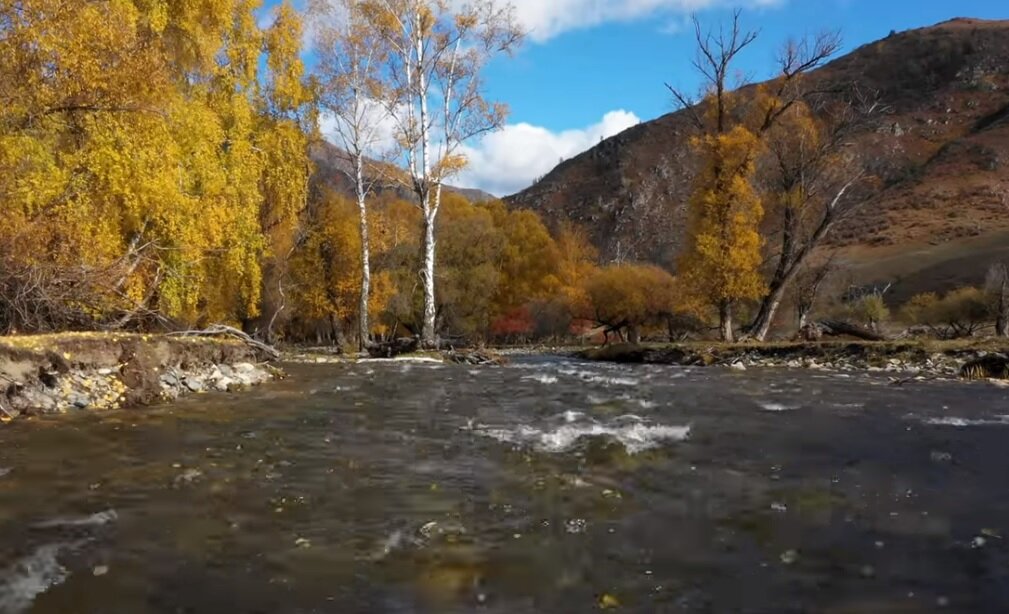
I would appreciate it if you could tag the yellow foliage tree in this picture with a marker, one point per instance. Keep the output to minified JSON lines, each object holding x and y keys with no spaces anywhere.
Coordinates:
{"x":132,"y":141}
{"x":529,"y":260}
{"x":721,"y":263}
{"x":719,"y":266}
{"x":288,"y":123}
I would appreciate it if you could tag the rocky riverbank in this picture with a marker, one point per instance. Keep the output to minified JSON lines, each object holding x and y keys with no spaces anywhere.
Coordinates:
{"x":87,"y":371}
{"x":324,"y":355}
{"x":924,"y":359}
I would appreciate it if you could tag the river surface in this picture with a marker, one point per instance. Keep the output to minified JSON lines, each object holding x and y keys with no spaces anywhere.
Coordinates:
{"x":545,"y":486}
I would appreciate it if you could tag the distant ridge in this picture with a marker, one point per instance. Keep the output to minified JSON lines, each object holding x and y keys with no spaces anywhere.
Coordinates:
{"x":942,"y":150}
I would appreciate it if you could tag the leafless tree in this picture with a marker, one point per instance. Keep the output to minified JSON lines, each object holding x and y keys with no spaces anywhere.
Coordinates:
{"x":997,"y":285}
{"x":760,"y":110}
{"x":716,"y":53}
{"x":817,"y":181}
{"x":808,"y":282}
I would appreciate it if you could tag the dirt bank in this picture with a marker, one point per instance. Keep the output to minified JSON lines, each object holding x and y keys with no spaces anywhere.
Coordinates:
{"x":59,"y":373}
{"x":915,"y":358}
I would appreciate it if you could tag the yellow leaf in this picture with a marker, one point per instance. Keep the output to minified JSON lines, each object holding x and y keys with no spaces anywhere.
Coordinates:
{"x":608,"y":602}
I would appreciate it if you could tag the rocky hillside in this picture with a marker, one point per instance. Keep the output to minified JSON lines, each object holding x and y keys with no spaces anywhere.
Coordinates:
{"x":941,"y":150}
{"x":332,"y":170}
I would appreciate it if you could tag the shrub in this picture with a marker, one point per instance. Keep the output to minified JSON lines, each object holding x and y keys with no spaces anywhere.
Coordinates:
{"x":870,"y":310}
{"x":960,"y":313}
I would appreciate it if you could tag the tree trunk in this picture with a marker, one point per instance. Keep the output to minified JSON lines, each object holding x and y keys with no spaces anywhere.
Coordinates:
{"x":363,"y":330}
{"x":761,"y":326}
{"x":839,"y":328}
{"x":1002,"y":318}
{"x":725,"y":322}
{"x":335,"y":331}
{"x":428,"y":332}
{"x":633,"y":334}
{"x":803,"y":319}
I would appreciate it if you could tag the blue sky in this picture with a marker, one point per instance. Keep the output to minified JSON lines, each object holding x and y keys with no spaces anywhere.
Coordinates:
{"x":592,"y":68}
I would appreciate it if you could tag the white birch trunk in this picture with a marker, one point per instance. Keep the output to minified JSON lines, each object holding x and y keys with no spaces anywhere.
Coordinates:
{"x":364,"y":329}
{"x":429,"y":333}
{"x":428,"y":329}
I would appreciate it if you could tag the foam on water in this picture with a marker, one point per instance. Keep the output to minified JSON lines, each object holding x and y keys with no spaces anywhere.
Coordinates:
{"x":961,"y":422}
{"x":33,"y":575}
{"x":595,"y":378}
{"x":405,"y":360}
{"x":541,"y":378}
{"x":93,"y":520}
{"x":571,"y":416}
{"x":632,"y":432}
{"x":776,"y":407}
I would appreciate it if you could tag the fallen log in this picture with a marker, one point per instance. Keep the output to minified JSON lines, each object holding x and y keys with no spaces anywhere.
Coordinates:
{"x":221,"y":330}
{"x":474,"y":357}
{"x":993,"y":366}
{"x":837,"y":328}
{"x":394,"y":348}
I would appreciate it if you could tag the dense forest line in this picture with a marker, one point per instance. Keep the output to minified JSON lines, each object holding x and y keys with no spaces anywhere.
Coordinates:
{"x":155,"y":172}
{"x":156,"y":175}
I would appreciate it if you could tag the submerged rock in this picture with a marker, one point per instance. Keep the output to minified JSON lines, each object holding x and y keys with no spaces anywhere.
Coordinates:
{"x":187,"y":477}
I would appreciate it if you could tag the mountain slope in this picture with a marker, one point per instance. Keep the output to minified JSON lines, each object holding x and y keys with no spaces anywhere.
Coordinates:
{"x":942,"y":150}
{"x":333,"y":171}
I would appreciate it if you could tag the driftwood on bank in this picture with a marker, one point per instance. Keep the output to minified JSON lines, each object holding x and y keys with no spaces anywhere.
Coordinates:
{"x":837,"y":328}
{"x":394,"y":348}
{"x":993,"y":366}
{"x":220,"y":330}
{"x":474,"y":357}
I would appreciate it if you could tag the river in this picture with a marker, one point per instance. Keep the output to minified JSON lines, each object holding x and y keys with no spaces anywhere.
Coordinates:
{"x":549,"y":485}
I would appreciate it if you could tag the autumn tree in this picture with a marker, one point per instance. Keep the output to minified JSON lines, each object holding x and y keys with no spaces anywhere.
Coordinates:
{"x":959,"y":313}
{"x":469,"y":261}
{"x":815,"y":181}
{"x":132,"y":162}
{"x":530,"y":258}
{"x":436,"y":55}
{"x":630,"y":297}
{"x":326,"y":265}
{"x":352,"y":57}
{"x":720,"y":265}
{"x":289,"y":118}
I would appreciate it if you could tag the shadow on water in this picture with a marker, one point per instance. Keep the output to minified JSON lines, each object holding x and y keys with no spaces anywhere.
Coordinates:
{"x":545,"y":486}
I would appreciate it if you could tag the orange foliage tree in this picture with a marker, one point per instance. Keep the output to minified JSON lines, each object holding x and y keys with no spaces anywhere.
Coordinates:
{"x":631,"y":297}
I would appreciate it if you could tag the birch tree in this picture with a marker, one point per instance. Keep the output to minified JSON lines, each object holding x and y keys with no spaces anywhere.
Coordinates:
{"x":437,"y":52}
{"x":352,"y":57}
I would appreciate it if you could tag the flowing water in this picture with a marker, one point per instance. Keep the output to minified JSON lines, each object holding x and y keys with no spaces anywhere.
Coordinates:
{"x":545,"y":486}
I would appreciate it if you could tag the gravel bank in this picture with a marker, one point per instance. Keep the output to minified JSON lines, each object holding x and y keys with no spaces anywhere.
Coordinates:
{"x":50,"y":374}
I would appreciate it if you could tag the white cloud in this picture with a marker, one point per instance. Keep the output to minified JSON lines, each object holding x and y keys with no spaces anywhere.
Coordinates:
{"x":378,"y":131}
{"x":511,"y":159}
{"x":545,"y":19}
